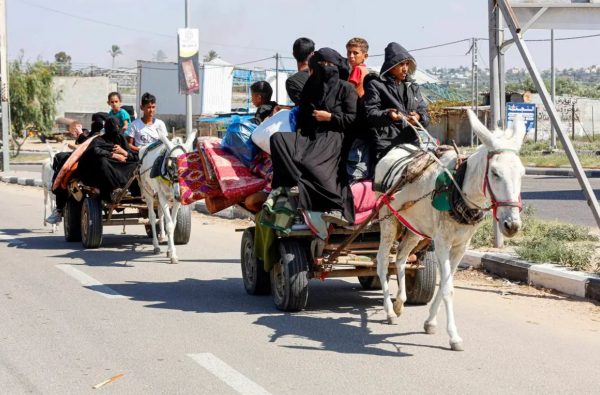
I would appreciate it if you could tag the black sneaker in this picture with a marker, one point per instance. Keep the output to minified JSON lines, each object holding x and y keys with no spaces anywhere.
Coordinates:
{"x":335,"y":217}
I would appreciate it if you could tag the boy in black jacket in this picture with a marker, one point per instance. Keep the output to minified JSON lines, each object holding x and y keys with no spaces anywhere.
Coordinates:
{"x":393,"y":100}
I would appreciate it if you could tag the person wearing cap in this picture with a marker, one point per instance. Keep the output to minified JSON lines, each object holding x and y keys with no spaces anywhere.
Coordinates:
{"x":394,"y":100}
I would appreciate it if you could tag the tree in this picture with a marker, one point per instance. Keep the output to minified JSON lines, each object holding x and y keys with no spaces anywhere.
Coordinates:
{"x":211,"y":55}
{"x":114,"y":52}
{"x":32,"y":100}
{"x":160,"y":56}
{"x":63,"y":63}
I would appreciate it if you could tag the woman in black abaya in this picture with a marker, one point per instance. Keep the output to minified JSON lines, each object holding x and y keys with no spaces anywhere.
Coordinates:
{"x":311,"y":157}
{"x":108,"y":163}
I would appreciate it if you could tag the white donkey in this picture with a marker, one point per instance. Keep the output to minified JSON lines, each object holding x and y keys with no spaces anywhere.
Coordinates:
{"x":163,"y":190}
{"x":492,"y":180}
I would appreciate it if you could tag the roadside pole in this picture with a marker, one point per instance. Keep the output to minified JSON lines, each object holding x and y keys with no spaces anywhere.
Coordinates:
{"x":188,"y":96}
{"x":277,"y":77}
{"x":4,"y":92}
{"x":552,"y":89}
{"x":495,"y":102}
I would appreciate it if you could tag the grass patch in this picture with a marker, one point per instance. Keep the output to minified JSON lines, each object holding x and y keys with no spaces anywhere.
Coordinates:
{"x":558,"y":160}
{"x":547,"y":241}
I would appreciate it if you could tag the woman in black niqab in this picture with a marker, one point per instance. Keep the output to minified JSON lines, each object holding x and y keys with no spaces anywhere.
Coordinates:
{"x":312,"y":157}
{"x":108,"y":163}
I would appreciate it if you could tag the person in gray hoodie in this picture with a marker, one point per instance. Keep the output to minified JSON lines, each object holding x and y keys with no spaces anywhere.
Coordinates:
{"x":393,"y":100}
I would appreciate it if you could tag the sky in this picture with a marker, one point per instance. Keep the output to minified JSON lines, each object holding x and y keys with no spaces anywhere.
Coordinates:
{"x":243,"y":31}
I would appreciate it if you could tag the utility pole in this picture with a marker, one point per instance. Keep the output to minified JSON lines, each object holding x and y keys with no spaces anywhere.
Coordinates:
{"x":474,"y":82}
{"x":277,"y":77}
{"x":495,"y":103}
{"x":4,"y":92}
{"x":552,"y":88}
{"x":188,"y":96}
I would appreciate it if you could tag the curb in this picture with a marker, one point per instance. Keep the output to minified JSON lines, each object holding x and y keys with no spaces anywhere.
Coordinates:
{"x":556,"y":171}
{"x":547,"y":275}
{"x":33,"y":182}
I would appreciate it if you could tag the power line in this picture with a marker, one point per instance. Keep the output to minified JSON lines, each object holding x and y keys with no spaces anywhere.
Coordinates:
{"x":117,"y":26}
{"x":432,"y":46}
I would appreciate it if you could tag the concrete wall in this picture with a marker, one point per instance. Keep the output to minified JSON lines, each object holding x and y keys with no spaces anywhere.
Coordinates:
{"x":587,"y":116}
{"x":454,"y":124}
{"x":81,"y":94}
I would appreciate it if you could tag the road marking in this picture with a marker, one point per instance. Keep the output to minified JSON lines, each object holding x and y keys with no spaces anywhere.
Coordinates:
{"x":90,"y":282}
{"x":228,"y":375}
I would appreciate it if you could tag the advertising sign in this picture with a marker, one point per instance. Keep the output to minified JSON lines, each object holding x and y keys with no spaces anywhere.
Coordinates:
{"x":528,"y":110}
{"x":188,"y":61}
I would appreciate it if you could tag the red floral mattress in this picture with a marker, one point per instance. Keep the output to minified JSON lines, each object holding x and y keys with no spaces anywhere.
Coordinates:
{"x":235,"y":179}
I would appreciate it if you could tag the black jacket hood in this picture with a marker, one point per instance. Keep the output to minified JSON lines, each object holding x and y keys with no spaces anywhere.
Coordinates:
{"x":394,"y":54}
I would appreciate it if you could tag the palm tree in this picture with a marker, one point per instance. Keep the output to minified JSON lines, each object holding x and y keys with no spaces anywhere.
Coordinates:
{"x":114,"y":52}
{"x":211,"y":55}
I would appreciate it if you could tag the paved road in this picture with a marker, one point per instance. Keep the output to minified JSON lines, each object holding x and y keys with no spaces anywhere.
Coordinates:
{"x":559,"y":198}
{"x":71,"y":318}
{"x":553,"y":197}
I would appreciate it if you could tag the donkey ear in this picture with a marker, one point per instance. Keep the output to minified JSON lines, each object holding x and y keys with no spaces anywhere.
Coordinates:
{"x":189,"y":142}
{"x":480,"y":130}
{"x":519,"y":131}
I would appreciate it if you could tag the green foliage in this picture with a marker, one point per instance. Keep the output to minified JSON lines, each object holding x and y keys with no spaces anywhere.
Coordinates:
{"x":32,"y":100}
{"x":578,"y":255}
{"x":565,"y":86}
{"x":63,"y":63}
{"x":545,"y":241}
{"x":211,"y":55}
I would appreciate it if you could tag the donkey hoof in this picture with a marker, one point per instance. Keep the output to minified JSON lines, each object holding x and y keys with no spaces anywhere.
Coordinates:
{"x":174,"y":260}
{"x":156,"y":250}
{"x":430,"y":329}
{"x":391,"y":320}
{"x":398,"y":307}
{"x":457,"y":346}
{"x":168,"y":254}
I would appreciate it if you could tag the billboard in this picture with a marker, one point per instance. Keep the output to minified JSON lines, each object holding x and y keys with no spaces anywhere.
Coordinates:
{"x":188,"y":61}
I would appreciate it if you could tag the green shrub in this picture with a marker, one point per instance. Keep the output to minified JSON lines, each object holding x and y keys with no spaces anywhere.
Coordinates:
{"x":578,"y":256}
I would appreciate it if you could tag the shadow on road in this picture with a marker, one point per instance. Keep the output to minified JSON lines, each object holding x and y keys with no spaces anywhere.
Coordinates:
{"x":349,"y":334}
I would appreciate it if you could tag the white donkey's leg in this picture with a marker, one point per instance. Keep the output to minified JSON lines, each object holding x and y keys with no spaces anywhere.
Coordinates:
{"x":430,"y":325}
{"x":456,"y":254}
{"x":406,"y":246}
{"x":152,"y":218}
{"x":387,"y":238}
{"x":164,"y":205}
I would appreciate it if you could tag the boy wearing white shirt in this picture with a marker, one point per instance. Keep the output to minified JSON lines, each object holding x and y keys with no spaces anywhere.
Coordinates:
{"x":144,"y":130}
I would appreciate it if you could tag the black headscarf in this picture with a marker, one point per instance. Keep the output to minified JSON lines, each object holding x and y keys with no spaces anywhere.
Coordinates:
{"x":316,"y":92}
{"x":112,"y":131}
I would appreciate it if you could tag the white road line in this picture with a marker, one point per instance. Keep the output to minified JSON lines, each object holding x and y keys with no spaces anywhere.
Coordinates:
{"x":228,"y":375}
{"x":88,"y":281}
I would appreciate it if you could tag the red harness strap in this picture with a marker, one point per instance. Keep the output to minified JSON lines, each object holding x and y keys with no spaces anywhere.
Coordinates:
{"x":387,"y":199}
{"x":486,"y":187}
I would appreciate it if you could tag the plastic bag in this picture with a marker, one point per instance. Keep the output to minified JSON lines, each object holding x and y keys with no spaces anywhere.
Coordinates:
{"x":237,"y":140}
{"x":280,"y":122}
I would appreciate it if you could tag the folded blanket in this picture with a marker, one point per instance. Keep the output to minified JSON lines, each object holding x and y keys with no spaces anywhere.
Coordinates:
{"x":235,"y":179}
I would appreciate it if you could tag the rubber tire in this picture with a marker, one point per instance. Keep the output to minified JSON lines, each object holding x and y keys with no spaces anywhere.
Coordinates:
{"x":421,"y":288}
{"x":256,"y":280}
{"x":91,"y":222}
{"x":369,"y":282}
{"x":183,"y":227}
{"x":72,"y":220}
{"x":289,"y":276}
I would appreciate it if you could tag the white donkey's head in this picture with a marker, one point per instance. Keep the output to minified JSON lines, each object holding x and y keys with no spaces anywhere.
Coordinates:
{"x":175,"y":148}
{"x":503,"y":171}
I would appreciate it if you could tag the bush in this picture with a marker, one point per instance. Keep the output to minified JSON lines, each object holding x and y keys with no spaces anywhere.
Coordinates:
{"x":546,"y":241}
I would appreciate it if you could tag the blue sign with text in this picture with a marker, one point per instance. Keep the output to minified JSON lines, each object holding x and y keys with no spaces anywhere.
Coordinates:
{"x":528,"y":110}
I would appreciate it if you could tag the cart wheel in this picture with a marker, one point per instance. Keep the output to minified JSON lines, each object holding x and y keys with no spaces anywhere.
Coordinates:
{"x":256,"y":279}
{"x":91,"y":223}
{"x":289,"y":276}
{"x":369,"y":282}
{"x":183,"y":227}
{"x":421,"y":287}
{"x":72,"y":220}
